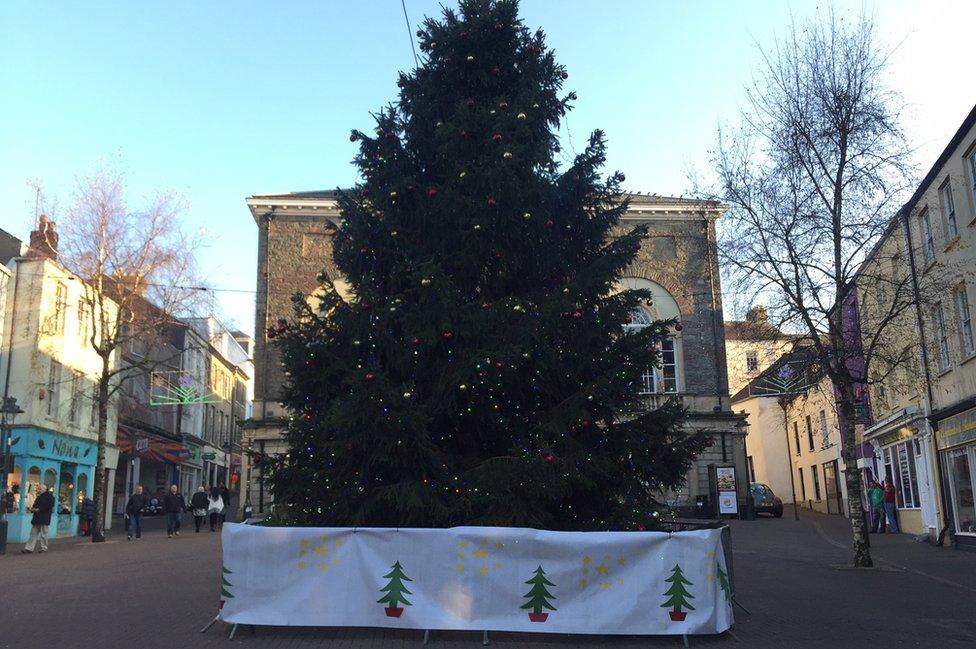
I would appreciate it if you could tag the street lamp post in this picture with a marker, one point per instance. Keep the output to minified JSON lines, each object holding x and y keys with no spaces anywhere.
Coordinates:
{"x":9,"y":409}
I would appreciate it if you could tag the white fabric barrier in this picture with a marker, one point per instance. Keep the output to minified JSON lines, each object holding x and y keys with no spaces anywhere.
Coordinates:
{"x":476,"y":578}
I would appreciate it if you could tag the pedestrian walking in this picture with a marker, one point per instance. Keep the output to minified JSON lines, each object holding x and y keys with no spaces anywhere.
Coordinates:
{"x":889,"y":505}
{"x":215,"y":506}
{"x":876,"y":500}
{"x":225,"y":501}
{"x":200,"y":503}
{"x":174,"y":505}
{"x":134,"y":509}
{"x":42,"y":508}
{"x":87,"y":514}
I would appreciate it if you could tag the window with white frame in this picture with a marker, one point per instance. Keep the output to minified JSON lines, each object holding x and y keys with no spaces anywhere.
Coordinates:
{"x":949,"y":210}
{"x":82,"y":321}
{"x":824,"y":431}
{"x":75,"y":397}
{"x":971,"y":167}
{"x":809,"y":432}
{"x":928,"y":243}
{"x":53,"y":388}
{"x":60,"y":306}
{"x":752,"y":361}
{"x":666,"y":377}
{"x":941,"y":335}
{"x":899,"y":463}
{"x":965,"y":320}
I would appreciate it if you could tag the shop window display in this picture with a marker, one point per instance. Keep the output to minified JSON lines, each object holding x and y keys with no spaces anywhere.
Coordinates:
{"x":961,"y":485}
{"x":66,"y":494}
{"x":14,"y":480}
{"x":82,"y":489}
{"x":33,"y":482}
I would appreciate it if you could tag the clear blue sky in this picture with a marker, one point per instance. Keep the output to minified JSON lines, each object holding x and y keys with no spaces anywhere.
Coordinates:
{"x":221,"y":100}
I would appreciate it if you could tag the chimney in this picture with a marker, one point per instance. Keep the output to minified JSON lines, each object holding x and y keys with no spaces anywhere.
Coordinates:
{"x":44,"y":240}
{"x":757,"y":314}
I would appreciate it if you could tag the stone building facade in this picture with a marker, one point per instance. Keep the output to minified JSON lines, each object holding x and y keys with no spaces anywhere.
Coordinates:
{"x":677,"y":263}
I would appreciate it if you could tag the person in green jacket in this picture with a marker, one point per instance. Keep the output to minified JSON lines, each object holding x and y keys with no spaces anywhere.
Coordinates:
{"x":876,"y":496}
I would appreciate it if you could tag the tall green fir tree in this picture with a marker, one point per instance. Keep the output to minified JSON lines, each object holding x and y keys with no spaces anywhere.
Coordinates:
{"x":478,"y":370}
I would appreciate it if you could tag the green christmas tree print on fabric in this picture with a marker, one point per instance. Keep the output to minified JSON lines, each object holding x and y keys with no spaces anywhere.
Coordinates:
{"x":723,"y":582}
{"x":225,"y":585}
{"x":678,"y":595}
{"x":395,"y":591}
{"x":539,"y":597}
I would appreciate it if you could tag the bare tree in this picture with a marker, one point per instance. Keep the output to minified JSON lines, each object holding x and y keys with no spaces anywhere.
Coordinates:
{"x":814,"y":179}
{"x":138,"y":272}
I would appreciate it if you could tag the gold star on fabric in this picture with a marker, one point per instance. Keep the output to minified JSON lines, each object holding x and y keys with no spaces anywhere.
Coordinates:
{"x":483,"y":570}
{"x":459,"y":567}
{"x":499,"y":546}
{"x":462,"y":544}
{"x":587,"y":561}
{"x":481,"y":553}
{"x":324,"y":567}
{"x":709,"y":577}
{"x":604,"y":585}
{"x":621,"y":561}
{"x":606,"y":557}
{"x":303,"y":544}
{"x":321,"y":550}
{"x":602,"y":569}
{"x":340,"y":542}
{"x":301,"y":565}
{"x":584,"y":583}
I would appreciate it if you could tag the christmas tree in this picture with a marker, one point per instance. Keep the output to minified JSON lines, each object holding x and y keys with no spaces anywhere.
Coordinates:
{"x":678,"y":595}
{"x":477,"y":372}
{"x":723,"y":582}
{"x":395,"y":591}
{"x":224,"y":584}
{"x":538,"y":596}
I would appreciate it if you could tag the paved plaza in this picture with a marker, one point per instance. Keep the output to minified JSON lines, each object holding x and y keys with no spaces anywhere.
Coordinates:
{"x":790,"y":579}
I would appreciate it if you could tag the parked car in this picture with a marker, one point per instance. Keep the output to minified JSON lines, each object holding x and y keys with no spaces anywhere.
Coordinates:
{"x":764,"y":500}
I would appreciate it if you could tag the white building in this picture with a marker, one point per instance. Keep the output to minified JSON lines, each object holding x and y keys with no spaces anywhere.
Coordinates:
{"x":48,"y":365}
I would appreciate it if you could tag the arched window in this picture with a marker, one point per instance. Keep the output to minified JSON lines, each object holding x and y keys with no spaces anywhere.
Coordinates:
{"x":667,"y":378}
{"x":82,"y":489}
{"x":33,"y":482}
{"x":66,"y":493}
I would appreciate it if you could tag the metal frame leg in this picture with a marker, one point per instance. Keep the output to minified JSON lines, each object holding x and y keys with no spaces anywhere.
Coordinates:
{"x":426,"y":636}
{"x":484,"y":639}
{"x":233,"y":630}
{"x":210,"y":624}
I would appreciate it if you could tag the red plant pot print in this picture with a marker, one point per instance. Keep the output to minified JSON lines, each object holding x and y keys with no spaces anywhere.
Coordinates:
{"x":538,"y":617}
{"x":393,"y":612}
{"x":677,"y":616}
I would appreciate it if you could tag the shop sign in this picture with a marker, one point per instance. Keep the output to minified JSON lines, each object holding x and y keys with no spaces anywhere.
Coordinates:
{"x":727,"y":497}
{"x":193,"y":454}
{"x":957,"y":429}
{"x":894,"y":436}
{"x":142,"y":444}
{"x":209,"y":456}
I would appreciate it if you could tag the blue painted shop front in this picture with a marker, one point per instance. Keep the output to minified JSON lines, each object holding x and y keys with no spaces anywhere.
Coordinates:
{"x":64,"y":463}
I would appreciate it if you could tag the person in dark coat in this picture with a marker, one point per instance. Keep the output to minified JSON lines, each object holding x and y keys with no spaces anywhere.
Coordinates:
{"x":174,"y":505}
{"x":199,"y":504}
{"x":42,"y":508}
{"x":133,"y":509}
{"x":225,"y":497}
{"x":87,"y":514}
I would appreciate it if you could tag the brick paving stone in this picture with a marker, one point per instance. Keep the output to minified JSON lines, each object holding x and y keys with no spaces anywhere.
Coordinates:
{"x":159,"y":592}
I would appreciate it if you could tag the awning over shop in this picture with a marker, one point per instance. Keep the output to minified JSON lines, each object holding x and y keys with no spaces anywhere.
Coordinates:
{"x":150,"y":447}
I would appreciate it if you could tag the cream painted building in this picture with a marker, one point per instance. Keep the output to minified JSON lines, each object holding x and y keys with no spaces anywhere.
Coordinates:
{"x":48,"y":365}
{"x":752,"y":345}
{"x":924,"y":435}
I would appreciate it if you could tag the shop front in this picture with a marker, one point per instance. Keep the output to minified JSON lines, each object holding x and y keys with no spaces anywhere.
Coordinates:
{"x":902,"y":455}
{"x":65,"y":464}
{"x":191,"y":472}
{"x":956,"y":442}
{"x":152,"y":461}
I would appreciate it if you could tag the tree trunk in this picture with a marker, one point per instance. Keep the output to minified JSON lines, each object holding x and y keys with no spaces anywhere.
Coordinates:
{"x":98,"y":525}
{"x":852,"y":478}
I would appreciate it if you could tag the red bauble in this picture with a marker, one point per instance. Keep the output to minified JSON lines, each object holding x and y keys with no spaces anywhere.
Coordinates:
{"x":496,"y":407}
{"x":550,"y":458}
{"x":499,"y":364}
{"x":565,"y":75}
{"x":400,"y":82}
{"x":548,"y":223}
{"x":271,"y":332}
{"x":491,"y":202}
{"x":503,"y":105}
{"x":353,"y":136}
{"x":587,"y":423}
{"x":365,"y":192}
{"x":530,"y":48}
{"x":432,"y":192}
{"x":497,"y":137}
{"x":464,"y":134}
{"x":621,"y":177}
{"x":366,"y":306}
{"x":448,"y":335}
{"x":499,"y":27}
{"x":415,"y":341}
{"x":708,"y":442}
{"x":496,"y":71}
{"x":485,"y":306}
{"x":369,"y":376}
{"x":678,"y":327}
{"x":577,"y":314}
{"x":409,"y":188}
{"x":464,"y":36}
{"x":628,"y":318}
{"x":469,"y":103}
{"x":576,"y":179}
{"x":641,"y":528}
{"x":282,"y":328}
